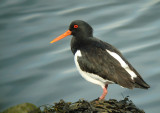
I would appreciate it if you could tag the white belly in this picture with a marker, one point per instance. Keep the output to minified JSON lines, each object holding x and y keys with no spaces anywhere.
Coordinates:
{"x":90,"y":76}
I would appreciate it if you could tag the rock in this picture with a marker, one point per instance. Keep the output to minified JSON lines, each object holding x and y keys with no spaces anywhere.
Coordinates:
{"x":81,"y":106}
{"x":95,"y":106}
{"x":23,"y":108}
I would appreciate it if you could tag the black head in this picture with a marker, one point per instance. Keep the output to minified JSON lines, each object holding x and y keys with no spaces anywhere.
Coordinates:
{"x":81,"y":29}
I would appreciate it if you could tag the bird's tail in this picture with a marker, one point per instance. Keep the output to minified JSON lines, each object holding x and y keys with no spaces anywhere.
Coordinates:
{"x":140,"y":83}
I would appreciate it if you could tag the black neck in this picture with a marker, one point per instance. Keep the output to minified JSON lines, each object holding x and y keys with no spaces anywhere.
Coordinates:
{"x":78,"y":43}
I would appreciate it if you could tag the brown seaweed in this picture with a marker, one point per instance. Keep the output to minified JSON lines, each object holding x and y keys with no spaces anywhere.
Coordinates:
{"x":95,"y":106}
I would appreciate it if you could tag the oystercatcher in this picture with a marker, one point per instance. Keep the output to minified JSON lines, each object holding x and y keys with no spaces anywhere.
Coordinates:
{"x":99,"y":62}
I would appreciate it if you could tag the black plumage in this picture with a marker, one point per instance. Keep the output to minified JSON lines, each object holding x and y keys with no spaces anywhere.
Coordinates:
{"x":95,"y":59}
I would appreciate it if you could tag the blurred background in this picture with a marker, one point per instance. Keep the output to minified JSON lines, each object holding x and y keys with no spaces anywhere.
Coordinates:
{"x":33,"y":70}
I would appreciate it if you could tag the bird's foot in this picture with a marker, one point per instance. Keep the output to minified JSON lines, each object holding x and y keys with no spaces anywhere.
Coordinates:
{"x":102,"y":97}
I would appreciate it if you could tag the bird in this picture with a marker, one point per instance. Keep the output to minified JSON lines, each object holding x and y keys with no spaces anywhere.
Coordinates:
{"x":100,"y":62}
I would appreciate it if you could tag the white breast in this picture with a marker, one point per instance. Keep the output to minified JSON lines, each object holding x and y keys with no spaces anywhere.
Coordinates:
{"x":90,"y":76}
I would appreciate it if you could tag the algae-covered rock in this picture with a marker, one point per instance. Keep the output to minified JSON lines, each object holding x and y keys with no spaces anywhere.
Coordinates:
{"x":23,"y":108}
{"x":81,"y":106}
{"x":95,"y":106}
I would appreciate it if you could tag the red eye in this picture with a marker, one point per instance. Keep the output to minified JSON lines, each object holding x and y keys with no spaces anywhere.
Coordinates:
{"x":75,"y":26}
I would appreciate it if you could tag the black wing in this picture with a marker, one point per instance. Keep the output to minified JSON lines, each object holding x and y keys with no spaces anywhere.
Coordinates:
{"x":95,"y":59}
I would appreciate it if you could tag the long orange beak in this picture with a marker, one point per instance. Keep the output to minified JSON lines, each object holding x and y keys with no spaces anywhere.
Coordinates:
{"x":61,"y":36}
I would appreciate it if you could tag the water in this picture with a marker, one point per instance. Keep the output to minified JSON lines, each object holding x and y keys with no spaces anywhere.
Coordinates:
{"x":33,"y":70}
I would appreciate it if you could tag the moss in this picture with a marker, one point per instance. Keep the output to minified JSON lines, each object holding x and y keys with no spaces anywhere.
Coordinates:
{"x":23,"y":108}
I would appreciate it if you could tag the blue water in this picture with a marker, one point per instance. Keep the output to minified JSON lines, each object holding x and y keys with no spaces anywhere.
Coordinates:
{"x":33,"y":70}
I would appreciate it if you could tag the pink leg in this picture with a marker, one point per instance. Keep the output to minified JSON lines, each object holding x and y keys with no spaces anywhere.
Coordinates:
{"x":102,"y":97}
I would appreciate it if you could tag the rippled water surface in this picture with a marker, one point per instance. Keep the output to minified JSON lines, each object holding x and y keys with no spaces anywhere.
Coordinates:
{"x":33,"y":70}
